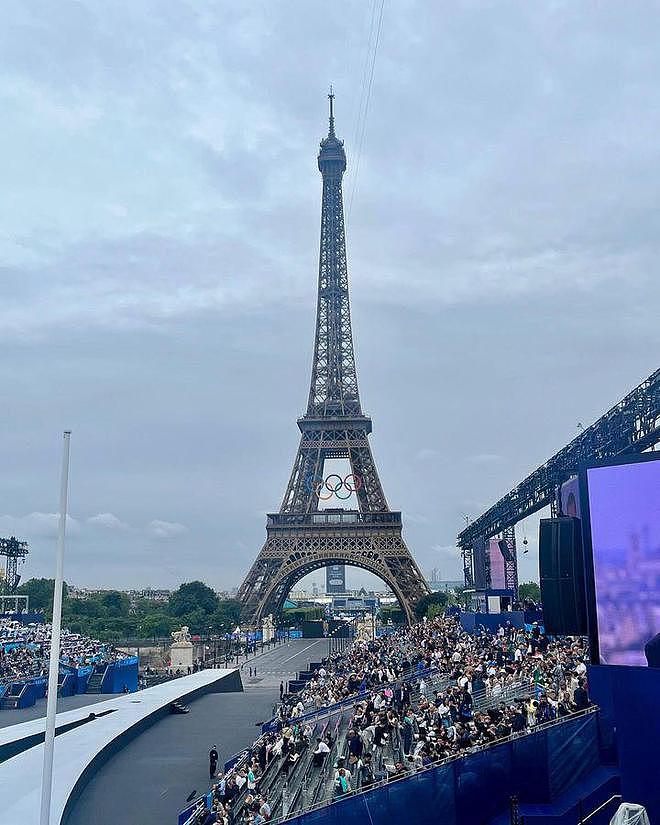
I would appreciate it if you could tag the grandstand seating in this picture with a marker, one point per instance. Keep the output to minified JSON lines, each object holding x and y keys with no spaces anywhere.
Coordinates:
{"x":86,"y":665}
{"x":474,"y":708}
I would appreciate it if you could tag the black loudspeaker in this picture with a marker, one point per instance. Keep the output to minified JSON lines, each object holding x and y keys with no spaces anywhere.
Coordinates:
{"x":479,"y":563}
{"x":561,"y":565}
{"x":504,"y":550}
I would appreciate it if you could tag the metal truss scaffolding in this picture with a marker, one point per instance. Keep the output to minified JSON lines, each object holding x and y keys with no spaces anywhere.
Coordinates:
{"x":15,"y":552}
{"x":631,"y":426}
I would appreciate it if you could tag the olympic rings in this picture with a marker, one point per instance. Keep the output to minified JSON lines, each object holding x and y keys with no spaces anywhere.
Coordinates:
{"x":335,"y":485}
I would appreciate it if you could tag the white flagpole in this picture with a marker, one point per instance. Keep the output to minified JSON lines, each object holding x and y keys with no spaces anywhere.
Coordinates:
{"x":54,"y":666}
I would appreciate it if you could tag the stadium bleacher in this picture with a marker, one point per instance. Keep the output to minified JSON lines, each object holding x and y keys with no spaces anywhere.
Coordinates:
{"x":396,"y":707}
{"x":86,"y":665}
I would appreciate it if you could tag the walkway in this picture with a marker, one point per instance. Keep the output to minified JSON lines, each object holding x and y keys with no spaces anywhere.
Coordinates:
{"x":150,"y":779}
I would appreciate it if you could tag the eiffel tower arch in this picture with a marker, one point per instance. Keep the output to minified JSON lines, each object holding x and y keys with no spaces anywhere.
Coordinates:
{"x":303,"y":536}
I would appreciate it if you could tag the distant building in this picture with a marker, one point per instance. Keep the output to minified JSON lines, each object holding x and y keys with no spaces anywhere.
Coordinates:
{"x":150,"y":594}
{"x":445,"y":585}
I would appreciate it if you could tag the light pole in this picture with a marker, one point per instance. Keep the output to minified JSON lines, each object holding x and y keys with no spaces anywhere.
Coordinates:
{"x":56,"y":631}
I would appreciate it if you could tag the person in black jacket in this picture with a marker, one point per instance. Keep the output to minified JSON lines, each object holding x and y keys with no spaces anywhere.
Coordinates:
{"x":518,"y":722}
{"x":580,"y":696}
{"x":213,"y":761}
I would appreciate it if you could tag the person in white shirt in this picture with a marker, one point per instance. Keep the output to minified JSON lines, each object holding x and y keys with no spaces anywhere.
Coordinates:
{"x":321,"y":752}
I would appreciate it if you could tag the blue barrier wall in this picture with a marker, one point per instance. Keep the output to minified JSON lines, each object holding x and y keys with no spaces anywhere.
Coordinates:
{"x":629,"y":698}
{"x":471,"y":622}
{"x":39,"y":687}
{"x":68,"y":686}
{"x":476,"y":788}
{"x":533,"y":615}
{"x":121,"y":674}
{"x":28,"y":691}
{"x":82,"y":675}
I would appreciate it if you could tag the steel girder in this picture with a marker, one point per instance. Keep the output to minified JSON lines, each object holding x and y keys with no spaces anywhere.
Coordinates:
{"x":334,"y":388}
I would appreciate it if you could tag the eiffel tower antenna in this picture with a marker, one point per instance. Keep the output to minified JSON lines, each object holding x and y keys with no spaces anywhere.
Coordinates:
{"x":303,"y":536}
{"x":331,"y":98}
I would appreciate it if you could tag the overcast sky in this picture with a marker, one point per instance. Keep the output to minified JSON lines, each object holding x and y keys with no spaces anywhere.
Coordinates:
{"x":159,"y":223}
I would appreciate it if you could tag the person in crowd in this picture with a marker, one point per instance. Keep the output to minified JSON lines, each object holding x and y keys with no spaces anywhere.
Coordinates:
{"x":342,"y":782}
{"x":580,"y":696}
{"x":251,"y":778}
{"x":264,"y":807}
{"x":213,"y":761}
{"x":321,"y":751}
{"x":366,"y":773}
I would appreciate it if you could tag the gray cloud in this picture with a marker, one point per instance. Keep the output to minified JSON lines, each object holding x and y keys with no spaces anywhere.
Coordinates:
{"x":158,"y":259}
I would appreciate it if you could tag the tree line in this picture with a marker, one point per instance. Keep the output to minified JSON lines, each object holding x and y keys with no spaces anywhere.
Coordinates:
{"x":111,"y":616}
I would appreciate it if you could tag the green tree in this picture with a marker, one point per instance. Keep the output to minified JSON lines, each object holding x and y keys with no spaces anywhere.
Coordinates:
{"x":529,"y":590}
{"x":295,"y":615}
{"x":114,"y":603}
{"x":40,"y":592}
{"x":156,"y":624}
{"x":227,"y":616}
{"x":193,"y":596}
{"x":199,"y":621}
{"x":434,"y":610}
{"x":457,"y":596}
{"x":439,"y":599}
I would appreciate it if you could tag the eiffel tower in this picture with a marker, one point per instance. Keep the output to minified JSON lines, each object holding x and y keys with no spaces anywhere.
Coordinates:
{"x":302,"y":537}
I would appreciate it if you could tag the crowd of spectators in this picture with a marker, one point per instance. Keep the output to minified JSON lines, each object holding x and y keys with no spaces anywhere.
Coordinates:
{"x":25,"y":650}
{"x":422,"y":694}
{"x":285,"y":746}
{"x":473,"y":710}
{"x":481,"y":662}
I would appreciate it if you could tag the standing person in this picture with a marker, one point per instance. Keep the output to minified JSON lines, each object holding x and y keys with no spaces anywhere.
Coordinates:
{"x":580,"y":696}
{"x":281,"y":690}
{"x":264,"y":808}
{"x":408,"y":730}
{"x":213,"y":761}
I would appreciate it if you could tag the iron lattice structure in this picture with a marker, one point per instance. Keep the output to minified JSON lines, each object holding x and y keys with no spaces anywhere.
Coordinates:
{"x":631,"y":426}
{"x":14,"y":551}
{"x":301,"y":537}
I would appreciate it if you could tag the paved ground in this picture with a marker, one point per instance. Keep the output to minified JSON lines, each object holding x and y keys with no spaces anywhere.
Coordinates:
{"x":150,"y":779}
{"x":14,"y":717}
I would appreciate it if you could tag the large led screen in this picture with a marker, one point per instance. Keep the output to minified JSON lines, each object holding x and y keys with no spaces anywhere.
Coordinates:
{"x":624,"y":515}
{"x":497,"y":577}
